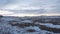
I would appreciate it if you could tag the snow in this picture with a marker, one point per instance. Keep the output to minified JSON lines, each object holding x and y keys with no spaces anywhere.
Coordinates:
{"x":49,"y":25}
{"x":27,"y":21}
{"x":35,"y":28}
{"x":6,"y":28}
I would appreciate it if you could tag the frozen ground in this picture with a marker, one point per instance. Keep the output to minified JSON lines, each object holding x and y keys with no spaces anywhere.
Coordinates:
{"x":16,"y":25}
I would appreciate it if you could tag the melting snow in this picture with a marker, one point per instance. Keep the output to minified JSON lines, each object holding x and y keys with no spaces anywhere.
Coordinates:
{"x":8,"y":29}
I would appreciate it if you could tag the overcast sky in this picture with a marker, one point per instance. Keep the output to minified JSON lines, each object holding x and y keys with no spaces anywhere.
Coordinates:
{"x":36,"y":7}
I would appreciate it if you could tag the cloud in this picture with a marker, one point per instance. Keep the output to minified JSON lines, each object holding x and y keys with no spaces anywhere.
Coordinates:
{"x":5,"y":12}
{"x":31,"y":6}
{"x":36,"y":11}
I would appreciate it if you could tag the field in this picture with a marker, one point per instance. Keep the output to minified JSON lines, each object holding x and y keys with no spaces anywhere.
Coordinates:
{"x":30,"y":25}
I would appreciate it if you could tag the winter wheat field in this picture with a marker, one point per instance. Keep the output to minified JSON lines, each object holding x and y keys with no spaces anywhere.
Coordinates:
{"x":30,"y":25}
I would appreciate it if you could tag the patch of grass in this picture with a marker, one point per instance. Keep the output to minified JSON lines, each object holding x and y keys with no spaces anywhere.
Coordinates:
{"x":31,"y":30}
{"x":55,"y":21}
{"x":23,"y":24}
{"x":49,"y":29}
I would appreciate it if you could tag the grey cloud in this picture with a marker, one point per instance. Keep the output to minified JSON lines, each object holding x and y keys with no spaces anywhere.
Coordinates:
{"x":55,"y":4}
{"x":39,"y":11}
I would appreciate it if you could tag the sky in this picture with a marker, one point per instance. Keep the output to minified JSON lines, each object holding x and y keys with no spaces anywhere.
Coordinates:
{"x":29,"y":7}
